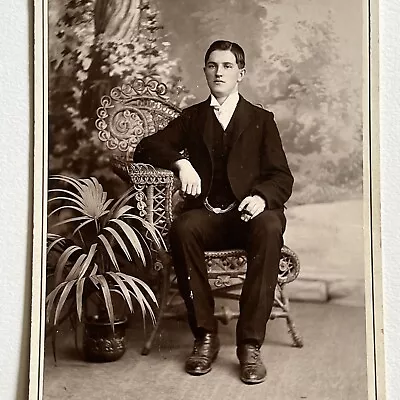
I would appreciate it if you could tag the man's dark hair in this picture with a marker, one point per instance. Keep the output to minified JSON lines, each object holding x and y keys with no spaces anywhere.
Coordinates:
{"x":226,"y":45}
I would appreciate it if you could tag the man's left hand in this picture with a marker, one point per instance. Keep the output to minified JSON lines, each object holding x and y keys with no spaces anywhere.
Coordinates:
{"x":251,"y":206}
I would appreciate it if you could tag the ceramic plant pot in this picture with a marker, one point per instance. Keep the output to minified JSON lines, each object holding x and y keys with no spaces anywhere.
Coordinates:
{"x":100,"y":343}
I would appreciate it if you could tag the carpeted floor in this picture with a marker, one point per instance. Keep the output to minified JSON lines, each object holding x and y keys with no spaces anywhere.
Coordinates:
{"x":331,"y":366}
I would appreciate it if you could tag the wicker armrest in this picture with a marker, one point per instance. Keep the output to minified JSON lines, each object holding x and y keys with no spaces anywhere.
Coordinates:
{"x":142,"y":174}
{"x":154,"y":189}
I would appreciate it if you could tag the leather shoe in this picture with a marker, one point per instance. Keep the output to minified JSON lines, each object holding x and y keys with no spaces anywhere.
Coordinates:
{"x":252,"y":369}
{"x":205,"y":351}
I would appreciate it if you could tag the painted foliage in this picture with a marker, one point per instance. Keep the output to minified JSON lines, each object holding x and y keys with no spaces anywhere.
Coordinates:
{"x":299,"y":61}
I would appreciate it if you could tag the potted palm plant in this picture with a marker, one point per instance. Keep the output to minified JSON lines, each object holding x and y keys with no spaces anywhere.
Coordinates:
{"x":88,"y":244}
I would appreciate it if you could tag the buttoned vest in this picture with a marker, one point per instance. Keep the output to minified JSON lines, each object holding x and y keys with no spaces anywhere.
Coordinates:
{"x":220,"y":194}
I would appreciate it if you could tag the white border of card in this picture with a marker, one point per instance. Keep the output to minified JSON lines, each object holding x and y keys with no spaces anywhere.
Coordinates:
{"x":373,"y":272}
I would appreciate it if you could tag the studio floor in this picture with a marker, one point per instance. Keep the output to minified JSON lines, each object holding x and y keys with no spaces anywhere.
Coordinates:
{"x":330,"y":366}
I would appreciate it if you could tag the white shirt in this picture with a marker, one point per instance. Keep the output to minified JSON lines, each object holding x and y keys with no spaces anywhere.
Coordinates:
{"x":224,"y":111}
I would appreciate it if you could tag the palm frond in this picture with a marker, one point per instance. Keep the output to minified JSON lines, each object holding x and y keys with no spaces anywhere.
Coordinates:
{"x":66,"y":221}
{"x":70,"y":192}
{"x":107,"y":298}
{"x":131,"y":235}
{"x":51,"y":298}
{"x":94,"y":280}
{"x":62,"y":261}
{"x":119,"y":212}
{"x":81,"y":210}
{"x":122,"y":200}
{"x":144,"y":241}
{"x":54,"y":243}
{"x":62,"y":300}
{"x":72,"y":181}
{"x":141,"y":299}
{"x":151,"y":312}
{"x":95,"y":198}
{"x":79,"y":227}
{"x":79,"y":269}
{"x":146,"y":287}
{"x":58,"y":198}
{"x":108,"y":202}
{"x":123,"y":288}
{"x":76,"y":267}
{"x":88,"y":261}
{"x":94,"y":270}
{"x":79,"y":294}
{"x":109,"y":250}
{"x":155,"y":234}
{"x":120,"y":241}
{"x":53,"y":236}
{"x":91,"y":197}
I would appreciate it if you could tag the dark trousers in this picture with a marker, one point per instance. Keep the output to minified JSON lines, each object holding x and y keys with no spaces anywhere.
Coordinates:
{"x":199,"y":230}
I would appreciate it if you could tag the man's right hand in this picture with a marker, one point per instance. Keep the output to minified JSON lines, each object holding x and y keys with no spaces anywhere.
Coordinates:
{"x":191,"y":182}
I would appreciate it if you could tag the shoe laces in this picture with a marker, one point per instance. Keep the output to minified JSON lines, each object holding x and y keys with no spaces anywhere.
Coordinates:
{"x":255,"y":352}
{"x":251,"y":353}
{"x":197,"y":346}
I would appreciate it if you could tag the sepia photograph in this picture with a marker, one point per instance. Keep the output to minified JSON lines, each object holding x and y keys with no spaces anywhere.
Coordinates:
{"x":205,"y":201}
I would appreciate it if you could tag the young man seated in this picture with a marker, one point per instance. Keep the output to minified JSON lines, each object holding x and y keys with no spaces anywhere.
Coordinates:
{"x":236,"y":182}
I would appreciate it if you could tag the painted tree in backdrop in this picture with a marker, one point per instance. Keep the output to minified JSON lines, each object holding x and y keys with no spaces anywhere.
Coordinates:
{"x":93,"y":46}
{"x":302,"y":78}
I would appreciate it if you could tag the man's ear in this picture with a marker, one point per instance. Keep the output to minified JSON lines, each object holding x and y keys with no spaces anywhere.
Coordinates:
{"x":242,"y":73}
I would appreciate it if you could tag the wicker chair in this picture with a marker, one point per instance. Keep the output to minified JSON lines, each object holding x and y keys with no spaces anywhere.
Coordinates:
{"x":125,"y":116}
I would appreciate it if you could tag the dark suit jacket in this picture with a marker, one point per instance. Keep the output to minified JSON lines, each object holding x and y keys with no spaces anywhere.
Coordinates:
{"x":256,"y":164}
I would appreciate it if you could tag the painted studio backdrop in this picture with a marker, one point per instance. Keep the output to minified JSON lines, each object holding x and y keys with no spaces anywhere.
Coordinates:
{"x":304,"y":63}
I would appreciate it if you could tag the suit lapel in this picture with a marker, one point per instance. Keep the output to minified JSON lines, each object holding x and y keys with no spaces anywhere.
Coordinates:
{"x":242,"y":119}
{"x":204,"y":122}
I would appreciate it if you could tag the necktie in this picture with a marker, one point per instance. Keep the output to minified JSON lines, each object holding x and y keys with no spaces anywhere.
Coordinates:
{"x":219,"y":115}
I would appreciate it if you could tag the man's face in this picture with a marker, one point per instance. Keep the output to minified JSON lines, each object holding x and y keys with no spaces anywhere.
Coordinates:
{"x":222,"y":73}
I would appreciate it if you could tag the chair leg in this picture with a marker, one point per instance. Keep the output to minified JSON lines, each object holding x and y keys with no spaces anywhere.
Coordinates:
{"x":165,"y":287}
{"x":296,"y":337}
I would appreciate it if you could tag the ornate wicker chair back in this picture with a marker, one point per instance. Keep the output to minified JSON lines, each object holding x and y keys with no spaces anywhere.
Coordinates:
{"x":132,"y":112}
{"x":127,"y":115}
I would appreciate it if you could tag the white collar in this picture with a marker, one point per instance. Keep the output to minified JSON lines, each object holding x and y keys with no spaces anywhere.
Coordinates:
{"x":230,"y":102}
